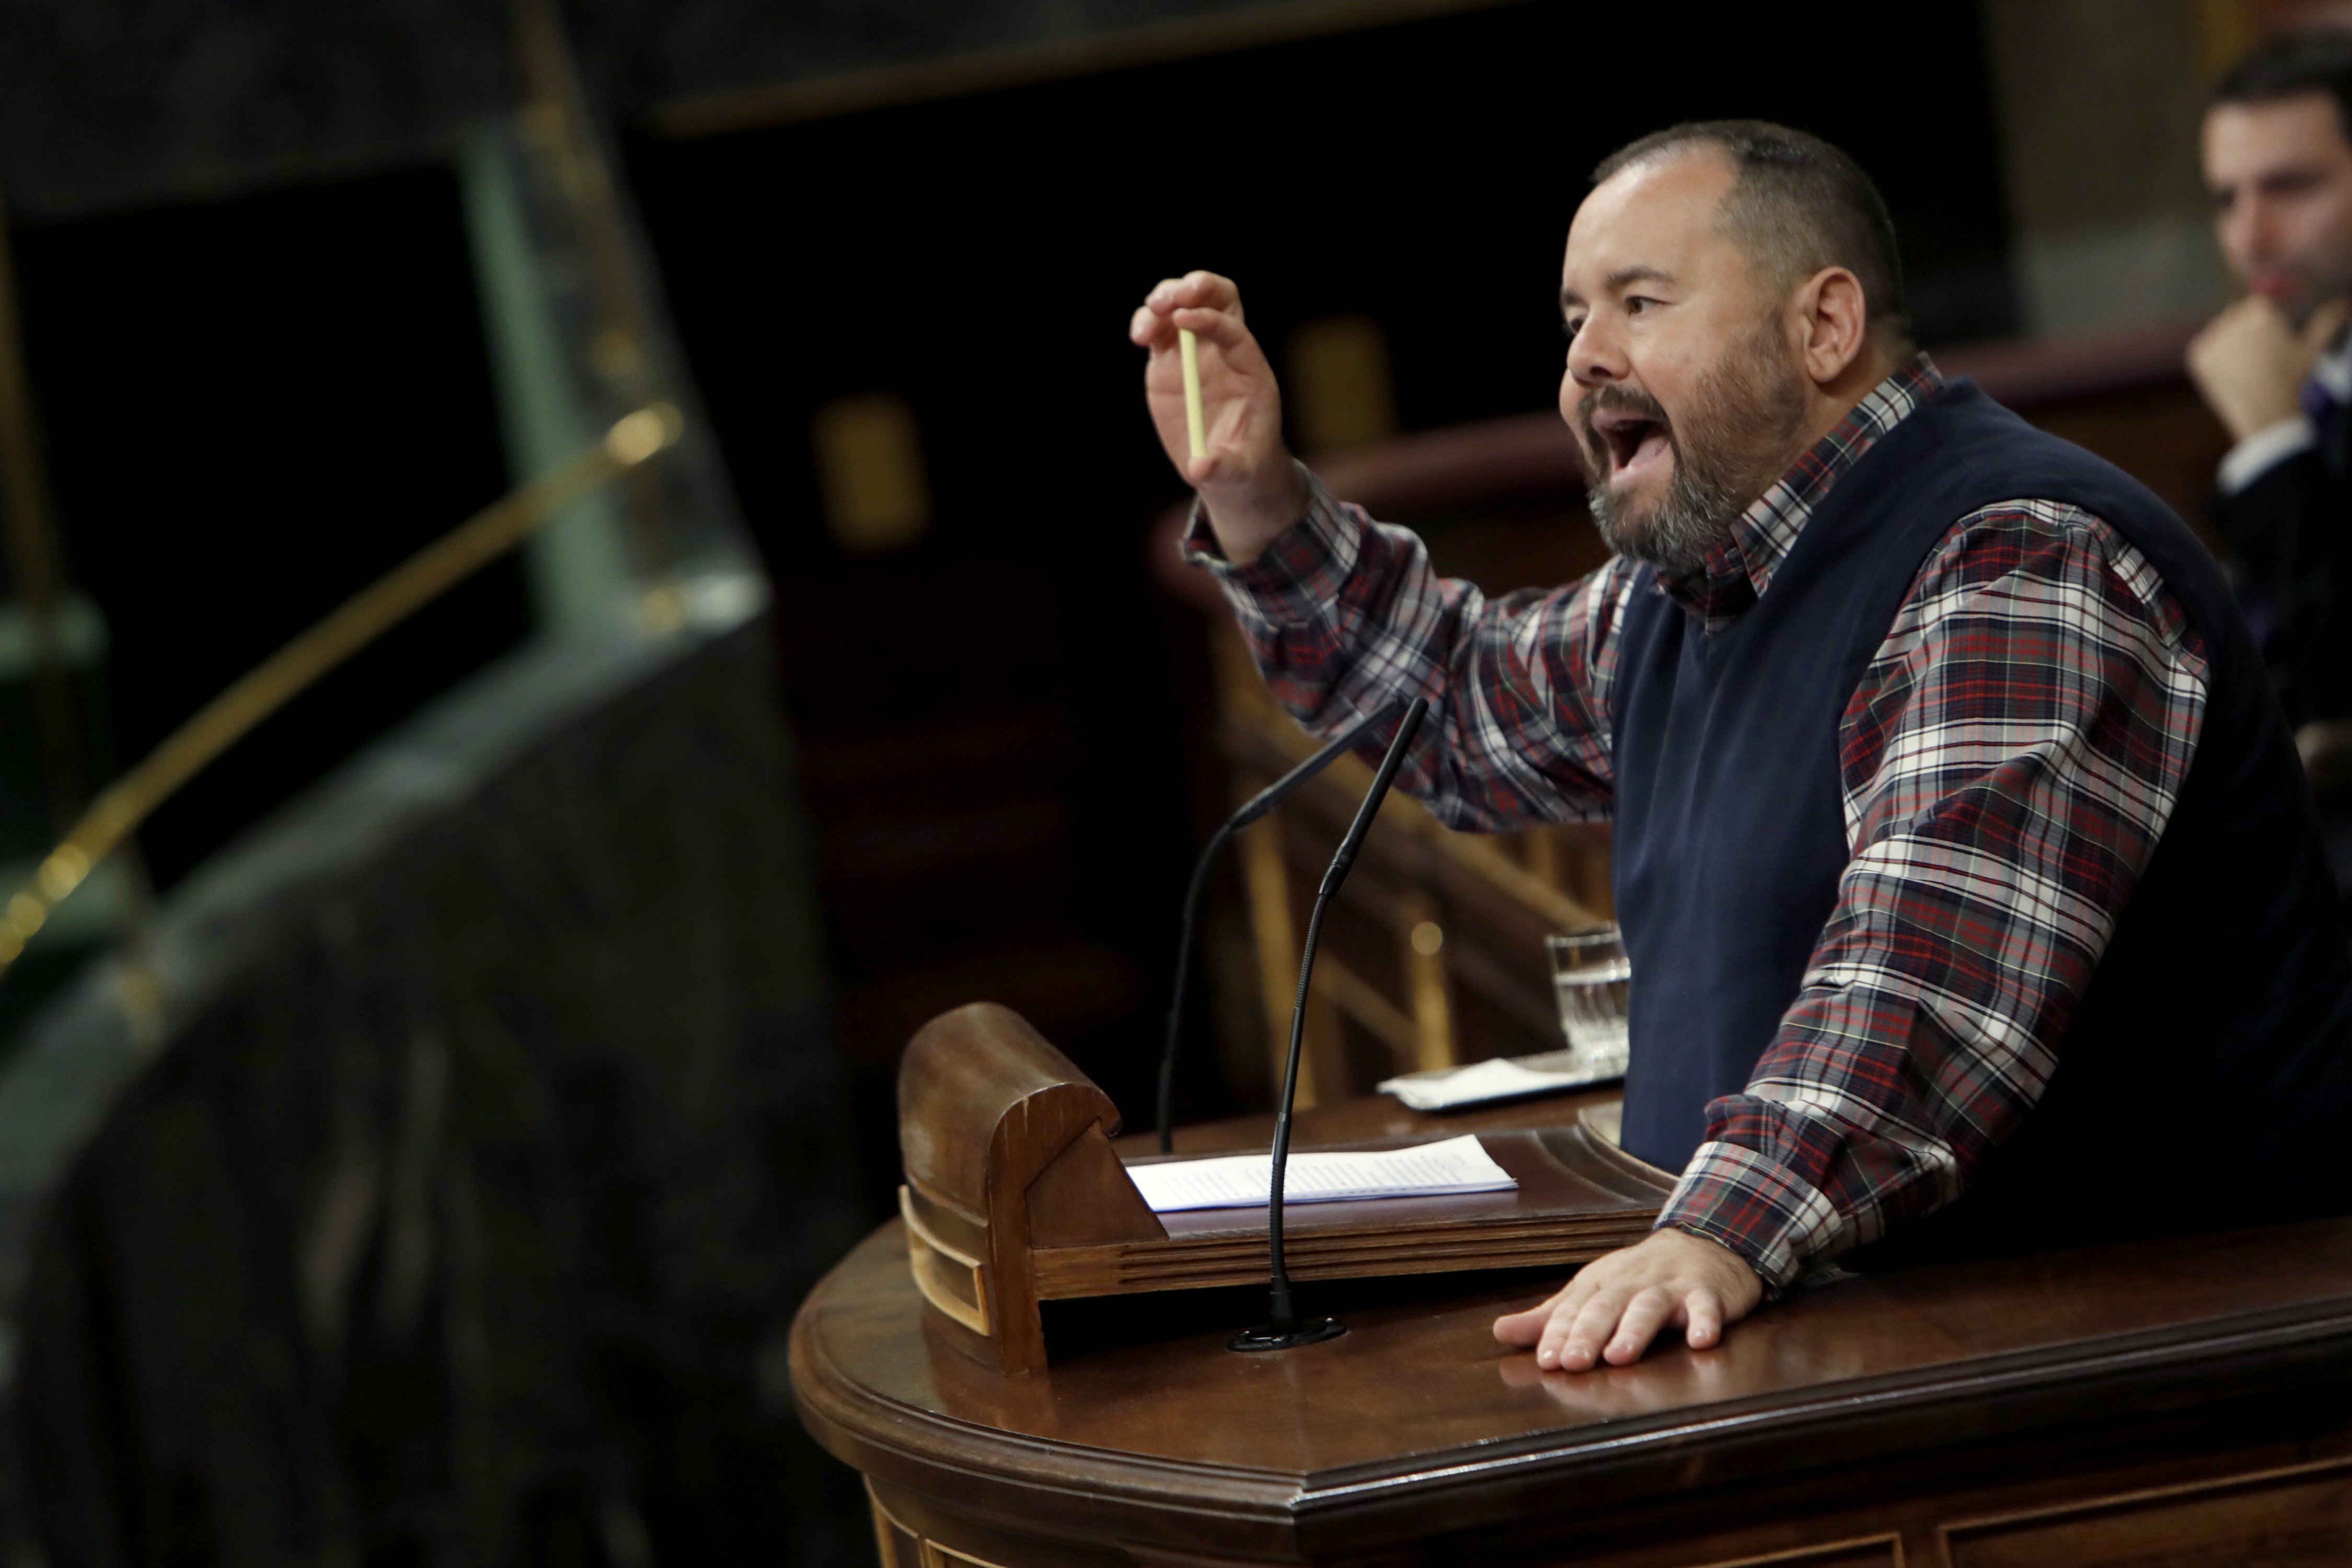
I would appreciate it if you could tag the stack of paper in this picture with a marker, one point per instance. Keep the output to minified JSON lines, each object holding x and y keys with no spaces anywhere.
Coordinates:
{"x":1241,"y":1181}
{"x":1499,"y":1078}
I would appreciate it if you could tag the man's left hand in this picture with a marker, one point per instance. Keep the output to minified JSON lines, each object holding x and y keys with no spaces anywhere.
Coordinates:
{"x":1616,"y":1305}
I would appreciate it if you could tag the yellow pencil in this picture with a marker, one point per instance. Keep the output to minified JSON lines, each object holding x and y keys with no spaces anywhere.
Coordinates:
{"x":1192,"y":353}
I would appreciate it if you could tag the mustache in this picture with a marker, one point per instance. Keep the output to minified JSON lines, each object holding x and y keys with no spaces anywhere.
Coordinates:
{"x":1614,"y":399}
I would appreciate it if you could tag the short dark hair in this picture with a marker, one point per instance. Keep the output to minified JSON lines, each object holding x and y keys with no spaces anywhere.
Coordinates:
{"x":1797,"y":205}
{"x":2314,"y":59}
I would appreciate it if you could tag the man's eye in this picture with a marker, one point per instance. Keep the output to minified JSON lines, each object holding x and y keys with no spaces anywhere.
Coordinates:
{"x":1573,"y":328}
{"x":1637,"y":303}
{"x":2291,"y":184}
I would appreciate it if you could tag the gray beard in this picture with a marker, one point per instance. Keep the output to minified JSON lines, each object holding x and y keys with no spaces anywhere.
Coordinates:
{"x":1741,"y":439}
{"x":1677,"y":538}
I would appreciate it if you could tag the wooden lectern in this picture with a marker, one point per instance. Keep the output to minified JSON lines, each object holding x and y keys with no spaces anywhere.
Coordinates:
{"x":1014,"y":1196}
{"x":2151,"y":1404}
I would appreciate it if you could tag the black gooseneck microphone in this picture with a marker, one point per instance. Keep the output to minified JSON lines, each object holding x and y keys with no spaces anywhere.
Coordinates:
{"x":1258,"y":805}
{"x":1282,"y":1329}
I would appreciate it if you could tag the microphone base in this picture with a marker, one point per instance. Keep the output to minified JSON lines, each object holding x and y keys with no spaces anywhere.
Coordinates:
{"x":1309,"y":1332}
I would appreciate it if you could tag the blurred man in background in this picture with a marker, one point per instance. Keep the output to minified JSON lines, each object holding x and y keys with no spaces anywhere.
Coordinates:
{"x":2277,"y":367}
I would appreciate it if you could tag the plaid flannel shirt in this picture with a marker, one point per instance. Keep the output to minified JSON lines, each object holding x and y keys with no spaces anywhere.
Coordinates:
{"x":2007,"y":761}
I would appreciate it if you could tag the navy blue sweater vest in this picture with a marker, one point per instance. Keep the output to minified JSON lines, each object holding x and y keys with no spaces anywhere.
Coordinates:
{"x":2208,"y":1068}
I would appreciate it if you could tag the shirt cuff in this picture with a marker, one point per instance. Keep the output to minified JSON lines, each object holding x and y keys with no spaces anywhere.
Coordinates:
{"x":1295,"y":577}
{"x":1736,"y":1198}
{"x":2263,"y":450}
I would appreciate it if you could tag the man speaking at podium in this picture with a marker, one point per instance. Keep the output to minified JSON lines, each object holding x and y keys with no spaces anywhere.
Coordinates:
{"x":1974,"y":897}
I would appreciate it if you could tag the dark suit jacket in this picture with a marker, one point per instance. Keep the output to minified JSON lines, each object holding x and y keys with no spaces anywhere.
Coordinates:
{"x":2291,"y":533}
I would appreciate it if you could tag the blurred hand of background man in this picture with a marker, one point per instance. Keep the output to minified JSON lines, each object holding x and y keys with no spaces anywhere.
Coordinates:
{"x":2251,"y":361}
{"x":1250,"y":484}
{"x":2280,"y":171}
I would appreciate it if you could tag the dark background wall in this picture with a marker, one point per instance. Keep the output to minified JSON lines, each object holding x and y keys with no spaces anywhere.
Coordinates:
{"x":126,"y":102}
{"x":255,"y":409}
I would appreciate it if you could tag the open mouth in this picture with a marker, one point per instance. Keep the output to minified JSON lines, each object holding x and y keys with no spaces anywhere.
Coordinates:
{"x":1635,"y":441}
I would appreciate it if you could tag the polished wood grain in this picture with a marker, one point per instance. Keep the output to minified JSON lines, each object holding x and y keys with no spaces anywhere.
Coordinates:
{"x":2285,"y":1518}
{"x":1014,"y":1196}
{"x":1859,"y":1407}
{"x":1577,"y":1198}
{"x":988,"y":1110}
{"x":1412,"y":1383}
{"x":1885,"y":1552}
{"x":1375,"y":1119}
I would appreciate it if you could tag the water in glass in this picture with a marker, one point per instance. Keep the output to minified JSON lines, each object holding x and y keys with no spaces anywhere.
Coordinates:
{"x":1592,"y":980}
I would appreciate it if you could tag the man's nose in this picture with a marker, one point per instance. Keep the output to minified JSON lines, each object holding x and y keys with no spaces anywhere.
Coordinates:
{"x":2250,"y":233}
{"x":1595,"y":356}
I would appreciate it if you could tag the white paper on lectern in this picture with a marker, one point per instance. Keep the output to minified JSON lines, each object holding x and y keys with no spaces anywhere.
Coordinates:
{"x":1241,"y":1181}
{"x":1497,"y":1078}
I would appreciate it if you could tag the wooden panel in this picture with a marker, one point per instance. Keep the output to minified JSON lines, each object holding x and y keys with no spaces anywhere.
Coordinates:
{"x":894,"y":1543}
{"x":1578,"y":1197}
{"x":1866,"y":1398}
{"x":1879,"y":1552}
{"x":954,"y":1281}
{"x":2285,"y":1518}
{"x":988,"y":1113}
{"x":926,"y":1535}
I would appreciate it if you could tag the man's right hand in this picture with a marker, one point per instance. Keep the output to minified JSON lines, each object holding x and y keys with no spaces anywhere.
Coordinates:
{"x":2249,"y":362}
{"x":1248,"y":480}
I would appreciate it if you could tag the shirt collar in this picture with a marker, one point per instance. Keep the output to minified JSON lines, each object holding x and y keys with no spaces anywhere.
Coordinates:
{"x":2334,"y":370}
{"x":1740,"y":569}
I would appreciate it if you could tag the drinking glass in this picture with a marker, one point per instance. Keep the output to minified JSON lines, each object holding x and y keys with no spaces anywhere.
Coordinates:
{"x":1591,"y":978}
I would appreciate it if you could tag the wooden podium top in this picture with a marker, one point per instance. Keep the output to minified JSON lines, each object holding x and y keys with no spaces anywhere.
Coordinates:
{"x":1416,"y":1429}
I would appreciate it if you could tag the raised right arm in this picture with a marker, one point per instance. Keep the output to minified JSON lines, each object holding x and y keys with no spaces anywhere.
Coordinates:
{"x":1345,"y":615}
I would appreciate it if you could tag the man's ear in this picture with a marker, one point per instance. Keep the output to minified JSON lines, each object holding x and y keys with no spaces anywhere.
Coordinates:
{"x":1832,"y":321}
